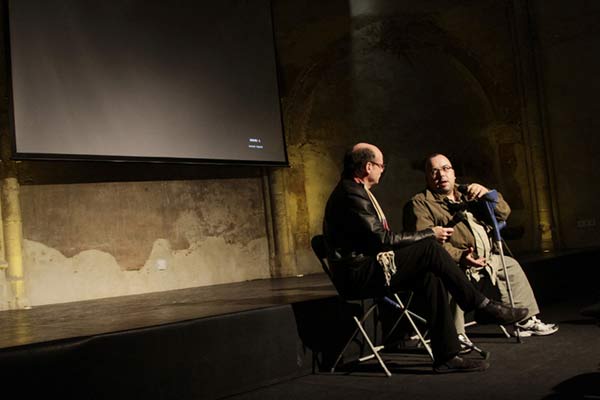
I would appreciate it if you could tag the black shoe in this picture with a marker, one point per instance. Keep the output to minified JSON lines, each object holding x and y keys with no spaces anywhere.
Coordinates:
{"x":459,"y":364}
{"x":501,"y":314}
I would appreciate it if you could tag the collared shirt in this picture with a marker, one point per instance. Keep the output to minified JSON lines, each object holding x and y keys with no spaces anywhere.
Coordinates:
{"x":428,"y":209}
{"x":483,"y":248}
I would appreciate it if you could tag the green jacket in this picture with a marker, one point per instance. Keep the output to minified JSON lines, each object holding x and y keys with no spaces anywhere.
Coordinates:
{"x":427,"y":209}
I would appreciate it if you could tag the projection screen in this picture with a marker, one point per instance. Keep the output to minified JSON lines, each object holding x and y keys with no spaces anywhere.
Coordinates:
{"x":181,"y":80}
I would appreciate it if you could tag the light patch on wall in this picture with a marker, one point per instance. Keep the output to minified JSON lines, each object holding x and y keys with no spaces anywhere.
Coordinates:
{"x":53,"y":278}
{"x":124,"y":219}
{"x":362,"y":7}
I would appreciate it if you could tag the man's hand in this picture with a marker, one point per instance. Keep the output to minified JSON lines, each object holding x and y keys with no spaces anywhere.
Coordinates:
{"x":476,"y":191}
{"x":469,"y":259}
{"x":442,"y":234}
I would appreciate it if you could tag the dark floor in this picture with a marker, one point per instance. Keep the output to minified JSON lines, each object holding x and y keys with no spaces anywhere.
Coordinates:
{"x":227,"y":335}
{"x":562,"y":366}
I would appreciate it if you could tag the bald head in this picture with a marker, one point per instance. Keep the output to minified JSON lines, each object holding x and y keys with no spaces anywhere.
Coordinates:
{"x":360,"y":146}
{"x":365,"y":163}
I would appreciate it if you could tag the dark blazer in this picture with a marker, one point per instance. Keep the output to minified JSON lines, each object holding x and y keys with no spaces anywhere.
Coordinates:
{"x":354,"y":236}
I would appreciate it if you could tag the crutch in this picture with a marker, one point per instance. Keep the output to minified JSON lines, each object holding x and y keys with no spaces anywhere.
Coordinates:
{"x":491,"y":199}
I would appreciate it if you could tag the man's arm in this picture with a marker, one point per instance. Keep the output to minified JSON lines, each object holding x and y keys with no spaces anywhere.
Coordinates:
{"x":417,"y":216}
{"x":477,"y":190}
{"x":502,"y":210}
{"x":365,"y":216}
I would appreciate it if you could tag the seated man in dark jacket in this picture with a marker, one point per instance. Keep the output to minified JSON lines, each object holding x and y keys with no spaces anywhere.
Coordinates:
{"x":367,"y":259}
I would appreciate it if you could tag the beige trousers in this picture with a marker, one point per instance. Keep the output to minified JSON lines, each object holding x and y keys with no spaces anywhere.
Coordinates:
{"x":522,"y":292}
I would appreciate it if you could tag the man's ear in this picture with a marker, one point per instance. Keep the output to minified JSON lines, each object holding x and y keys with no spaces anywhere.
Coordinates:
{"x":367,"y":169}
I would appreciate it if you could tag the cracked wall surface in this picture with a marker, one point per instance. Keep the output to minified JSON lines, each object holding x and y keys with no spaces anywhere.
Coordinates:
{"x":88,"y":241}
{"x":412,"y":77}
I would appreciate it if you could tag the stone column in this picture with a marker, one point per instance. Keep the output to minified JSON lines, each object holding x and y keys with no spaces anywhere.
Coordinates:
{"x":534,"y":128}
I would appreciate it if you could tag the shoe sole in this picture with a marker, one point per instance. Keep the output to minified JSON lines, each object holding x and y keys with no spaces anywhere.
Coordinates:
{"x":531,"y":333}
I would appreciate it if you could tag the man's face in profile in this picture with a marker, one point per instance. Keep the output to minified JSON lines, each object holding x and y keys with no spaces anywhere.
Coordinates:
{"x":376,"y":167}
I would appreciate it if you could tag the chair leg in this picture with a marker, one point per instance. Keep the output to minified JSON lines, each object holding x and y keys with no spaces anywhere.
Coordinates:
{"x":472,"y":346}
{"x":484,"y":354}
{"x":408,"y":314}
{"x":417,"y":316}
{"x":374,"y":349}
{"x":403,"y":311}
{"x":338,"y":359}
{"x":503,"y":329}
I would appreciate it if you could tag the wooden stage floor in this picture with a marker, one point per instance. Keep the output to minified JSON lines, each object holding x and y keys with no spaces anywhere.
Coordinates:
{"x":82,"y":319}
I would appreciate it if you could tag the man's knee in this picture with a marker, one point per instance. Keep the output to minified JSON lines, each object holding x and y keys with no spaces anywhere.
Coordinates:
{"x":430,"y":281}
{"x":431,"y":245}
{"x":512,"y":263}
{"x":512,"y":266}
{"x":437,"y":253}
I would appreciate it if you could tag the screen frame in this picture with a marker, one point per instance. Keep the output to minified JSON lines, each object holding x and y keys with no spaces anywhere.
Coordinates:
{"x":26,"y":156}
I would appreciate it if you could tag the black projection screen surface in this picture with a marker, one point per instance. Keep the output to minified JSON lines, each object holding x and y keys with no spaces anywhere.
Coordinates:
{"x":190,"y":80}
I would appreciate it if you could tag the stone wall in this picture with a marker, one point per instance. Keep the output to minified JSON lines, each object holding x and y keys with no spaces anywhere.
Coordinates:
{"x":493,"y":84}
{"x":567,"y":40}
{"x":87,"y":241}
{"x":412,"y":78}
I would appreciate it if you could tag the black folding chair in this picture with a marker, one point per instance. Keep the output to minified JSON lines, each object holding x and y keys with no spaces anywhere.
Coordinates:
{"x":320,"y":249}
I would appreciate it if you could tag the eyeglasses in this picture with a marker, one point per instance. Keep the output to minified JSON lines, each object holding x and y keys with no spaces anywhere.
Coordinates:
{"x":445,"y":169}
{"x":382,"y":165}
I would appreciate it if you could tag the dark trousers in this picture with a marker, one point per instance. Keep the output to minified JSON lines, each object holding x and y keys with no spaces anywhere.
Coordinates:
{"x":426,"y":268}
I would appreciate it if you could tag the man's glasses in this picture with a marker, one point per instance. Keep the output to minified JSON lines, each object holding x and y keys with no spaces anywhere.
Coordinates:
{"x":382,"y":165}
{"x":445,"y":169}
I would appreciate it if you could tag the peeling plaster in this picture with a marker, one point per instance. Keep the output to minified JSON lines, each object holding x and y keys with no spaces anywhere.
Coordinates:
{"x":88,"y":241}
{"x":124,"y":219}
{"x":54,"y":278}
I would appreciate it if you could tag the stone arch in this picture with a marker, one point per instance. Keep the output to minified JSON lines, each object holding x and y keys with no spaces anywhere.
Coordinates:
{"x":395,"y":82}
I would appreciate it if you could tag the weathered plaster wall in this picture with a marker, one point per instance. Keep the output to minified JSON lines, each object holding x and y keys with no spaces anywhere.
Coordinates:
{"x":87,"y":241}
{"x":5,"y":291}
{"x":412,"y":77}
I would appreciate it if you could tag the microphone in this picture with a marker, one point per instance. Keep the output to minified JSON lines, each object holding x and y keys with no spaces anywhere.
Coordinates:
{"x":458,"y":208}
{"x":464,"y":189}
{"x":458,"y":217}
{"x":454,"y":206}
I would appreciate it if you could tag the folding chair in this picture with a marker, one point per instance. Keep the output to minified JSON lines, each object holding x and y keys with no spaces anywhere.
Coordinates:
{"x":320,"y":250}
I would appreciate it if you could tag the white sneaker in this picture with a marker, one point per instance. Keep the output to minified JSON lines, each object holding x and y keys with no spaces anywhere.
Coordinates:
{"x":534,"y":327}
{"x":466,"y":346}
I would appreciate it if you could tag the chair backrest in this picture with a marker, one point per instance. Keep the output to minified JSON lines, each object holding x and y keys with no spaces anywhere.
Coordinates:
{"x":320,"y":249}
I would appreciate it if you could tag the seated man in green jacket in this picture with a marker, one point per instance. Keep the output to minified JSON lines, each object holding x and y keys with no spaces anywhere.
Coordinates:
{"x":470,"y":245}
